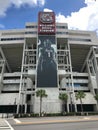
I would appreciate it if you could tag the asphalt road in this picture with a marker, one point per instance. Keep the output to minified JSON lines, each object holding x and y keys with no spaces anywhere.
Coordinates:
{"x":89,"y":125}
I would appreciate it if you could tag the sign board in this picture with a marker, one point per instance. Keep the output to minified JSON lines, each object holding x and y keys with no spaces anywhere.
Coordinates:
{"x":46,"y":23}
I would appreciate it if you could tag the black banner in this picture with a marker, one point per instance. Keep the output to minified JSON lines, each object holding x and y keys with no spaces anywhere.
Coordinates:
{"x":47,"y":61}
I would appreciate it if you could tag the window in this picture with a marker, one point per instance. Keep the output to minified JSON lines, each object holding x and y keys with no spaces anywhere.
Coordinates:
{"x":62,"y":27}
{"x":79,"y":39}
{"x":10,"y":39}
{"x":30,"y":32}
{"x":31,"y":26}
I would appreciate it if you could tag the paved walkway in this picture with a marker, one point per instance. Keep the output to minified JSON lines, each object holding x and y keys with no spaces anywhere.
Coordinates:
{"x":4,"y":125}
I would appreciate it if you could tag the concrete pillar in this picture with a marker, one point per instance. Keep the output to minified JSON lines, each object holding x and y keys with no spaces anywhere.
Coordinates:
{"x":25,"y":108}
{"x":68,"y":107}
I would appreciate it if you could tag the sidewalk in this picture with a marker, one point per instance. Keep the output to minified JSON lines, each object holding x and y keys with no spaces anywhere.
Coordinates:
{"x":45,"y":120}
{"x":4,"y":125}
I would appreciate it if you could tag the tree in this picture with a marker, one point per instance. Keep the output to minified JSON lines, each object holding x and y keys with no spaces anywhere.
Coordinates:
{"x":96,"y":98}
{"x":64,"y":98}
{"x":80,"y":95}
{"x":41,"y":94}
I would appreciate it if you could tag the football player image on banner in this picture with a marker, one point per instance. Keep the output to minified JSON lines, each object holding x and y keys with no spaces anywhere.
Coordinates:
{"x":47,"y":63}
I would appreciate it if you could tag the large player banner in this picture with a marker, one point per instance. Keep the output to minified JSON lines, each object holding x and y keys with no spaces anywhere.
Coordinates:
{"x":47,"y":50}
{"x":46,"y":61}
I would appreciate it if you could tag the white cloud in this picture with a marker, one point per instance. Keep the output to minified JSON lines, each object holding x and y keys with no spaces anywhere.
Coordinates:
{"x":18,"y":3}
{"x":5,"y":4}
{"x":47,"y":10}
{"x":85,"y":19}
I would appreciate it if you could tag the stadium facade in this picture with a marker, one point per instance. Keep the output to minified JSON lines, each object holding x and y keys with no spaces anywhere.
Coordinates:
{"x":47,"y":55}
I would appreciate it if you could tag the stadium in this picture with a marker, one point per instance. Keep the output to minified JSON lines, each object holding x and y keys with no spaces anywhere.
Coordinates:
{"x":47,"y":55}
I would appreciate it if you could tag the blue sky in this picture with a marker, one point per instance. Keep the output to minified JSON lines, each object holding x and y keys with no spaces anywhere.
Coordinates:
{"x":79,"y":14}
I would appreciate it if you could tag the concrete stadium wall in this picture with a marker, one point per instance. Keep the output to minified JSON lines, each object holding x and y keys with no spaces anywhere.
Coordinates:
{"x":8,"y":98}
{"x":51,"y":104}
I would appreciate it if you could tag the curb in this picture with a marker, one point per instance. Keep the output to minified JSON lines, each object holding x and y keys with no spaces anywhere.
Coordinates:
{"x":56,"y":121}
